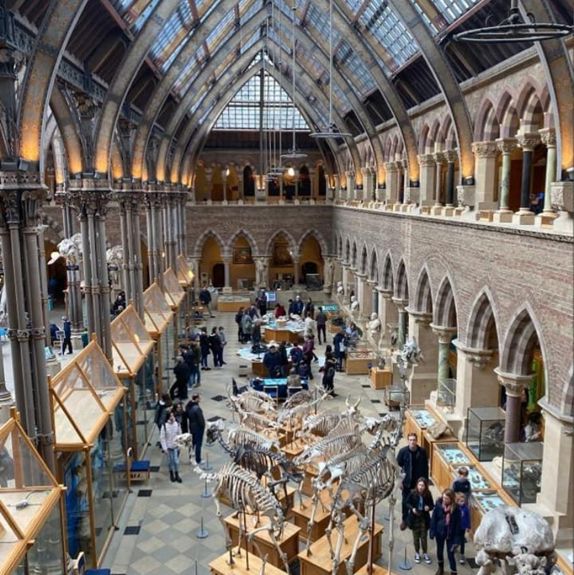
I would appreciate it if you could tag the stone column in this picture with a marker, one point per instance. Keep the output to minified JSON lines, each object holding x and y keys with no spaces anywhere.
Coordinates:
{"x":296,"y":270}
{"x":527,"y":142}
{"x":476,"y":382}
{"x":514,"y":385}
{"x":91,"y":199}
{"x":548,"y":137}
{"x":402,"y":320}
{"x":423,"y":379}
{"x":439,"y":159}
{"x":563,"y":202}
{"x":504,"y":213}
{"x":445,"y":335}
{"x":346,"y":270}
{"x":485,"y":154}
{"x":556,"y":496}
{"x":329,"y":266}
{"x":392,"y":183}
{"x":21,"y":197}
{"x":350,"y":186}
{"x":368,"y":184}
{"x":451,"y":157}
{"x":427,"y":168}
{"x":364,"y":296}
{"x":227,"y":259}
{"x":154,"y":202}
{"x":388,"y":315}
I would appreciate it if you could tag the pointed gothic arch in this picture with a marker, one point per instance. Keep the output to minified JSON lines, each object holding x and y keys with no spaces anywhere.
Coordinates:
{"x":423,"y":294}
{"x":388,"y":277}
{"x":374,"y":267}
{"x":482,"y":331}
{"x":402,"y":285}
{"x":364,"y":260}
{"x":278,"y":233}
{"x":200,"y":242}
{"x":248,"y":236}
{"x":313,"y":233}
{"x":445,"y":307}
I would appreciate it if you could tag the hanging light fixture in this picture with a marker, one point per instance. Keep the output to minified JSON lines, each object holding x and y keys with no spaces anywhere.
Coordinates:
{"x":331,"y":130}
{"x":515,"y":29}
{"x":294,"y":153}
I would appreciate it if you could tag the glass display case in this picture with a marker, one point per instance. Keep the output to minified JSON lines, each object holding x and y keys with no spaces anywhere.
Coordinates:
{"x":522,"y":471}
{"x":174,"y":293}
{"x":478,"y":481}
{"x":423,"y":418}
{"x":487,"y":501}
{"x":485,"y":432}
{"x":31,"y":532}
{"x":446,"y":393}
{"x":445,"y":457}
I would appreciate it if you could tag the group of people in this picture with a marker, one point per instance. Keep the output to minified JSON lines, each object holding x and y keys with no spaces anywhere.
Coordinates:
{"x":172,"y":420}
{"x":446,"y":520}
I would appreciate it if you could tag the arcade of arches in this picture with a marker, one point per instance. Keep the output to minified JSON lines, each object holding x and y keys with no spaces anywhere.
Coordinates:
{"x":446,"y":206}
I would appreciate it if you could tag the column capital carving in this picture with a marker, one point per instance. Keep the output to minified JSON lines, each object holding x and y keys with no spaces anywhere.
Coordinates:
{"x":155,"y":199}
{"x":443,"y":332}
{"x":419,"y":316}
{"x":548,"y":137}
{"x":439,"y":158}
{"x":451,"y":156}
{"x":506,"y":145}
{"x":400,"y":303}
{"x":478,"y":357}
{"x":94,"y":201}
{"x":426,"y":160}
{"x":485,"y":149}
{"x":514,"y":383}
{"x":528,"y":141}
{"x":391,"y":166}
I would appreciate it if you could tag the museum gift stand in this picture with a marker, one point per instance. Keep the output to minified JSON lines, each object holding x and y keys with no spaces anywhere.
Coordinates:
{"x":31,"y":507}
{"x":157,"y":315}
{"x":89,"y":423}
{"x":131,"y":345}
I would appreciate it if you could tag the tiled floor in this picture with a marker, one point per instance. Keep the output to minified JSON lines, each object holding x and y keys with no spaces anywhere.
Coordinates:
{"x":159,"y":526}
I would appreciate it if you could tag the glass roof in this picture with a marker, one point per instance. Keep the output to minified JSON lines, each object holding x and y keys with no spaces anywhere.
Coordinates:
{"x":243,"y":111}
{"x":438,"y":14}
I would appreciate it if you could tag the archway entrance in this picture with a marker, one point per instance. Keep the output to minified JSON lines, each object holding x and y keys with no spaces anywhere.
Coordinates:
{"x":311,"y":259}
{"x":218,"y":275}
{"x":210,"y":257}
{"x":282,"y":269}
{"x":242,"y":264}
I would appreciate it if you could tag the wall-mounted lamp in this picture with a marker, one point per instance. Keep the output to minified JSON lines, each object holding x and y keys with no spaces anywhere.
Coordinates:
{"x":469,"y":181}
{"x":291,"y":172}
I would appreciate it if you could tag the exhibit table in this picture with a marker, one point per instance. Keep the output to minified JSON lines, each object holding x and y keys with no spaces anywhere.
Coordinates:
{"x":289,"y":331}
{"x":232,"y":303}
{"x":359,"y":362}
{"x":90,"y":441}
{"x":381,"y":378}
{"x":271,"y":386}
{"x":31,"y":506}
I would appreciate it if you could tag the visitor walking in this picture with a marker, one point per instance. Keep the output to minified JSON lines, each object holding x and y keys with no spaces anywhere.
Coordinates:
{"x":169,"y":431}
{"x":196,"y":423}
{"x":420,"y":504}
{"x":321,"y":322}
{"x":445,"y":529}
{"x":67,"y":331}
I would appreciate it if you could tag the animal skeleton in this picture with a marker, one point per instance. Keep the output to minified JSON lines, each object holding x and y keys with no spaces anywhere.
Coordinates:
{"x":252,"y":401}
{"x":256,"y":421}
{"x":238,"y":438}
{"x":513,"y":536}
{"x":244,"y":491}
{"x":323,"y":424}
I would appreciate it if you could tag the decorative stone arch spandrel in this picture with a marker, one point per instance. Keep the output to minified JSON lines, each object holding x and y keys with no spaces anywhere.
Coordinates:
{"x":423,"y":294}
{"x":320,"y":240}
{"x":519,"y":341}
{"x":290,"y":239}
{"x":200,"y":242}
{"x":248,"y":236}
{"x":482,"y":319}
{"x":445,"y":307}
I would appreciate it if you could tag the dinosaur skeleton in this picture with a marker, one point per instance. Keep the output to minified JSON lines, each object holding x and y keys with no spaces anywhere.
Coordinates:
{"x":246,"y":494}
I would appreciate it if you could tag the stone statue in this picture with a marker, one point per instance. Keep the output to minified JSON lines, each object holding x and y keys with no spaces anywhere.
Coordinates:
{"x":521,"y":539}
{"x":340,"y":289}
{"x":354,"y":304}
{"x":115,"y":260}
{"x":374,"y":328}
{"x":328,"y":275}
{"x":261,"y":272}
{"x":71,"y":249}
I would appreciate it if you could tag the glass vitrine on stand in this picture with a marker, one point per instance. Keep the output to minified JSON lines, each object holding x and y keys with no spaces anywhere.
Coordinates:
{"x":485,"y":432}
{"x":522,"y":471}
{"x":31,"y":506}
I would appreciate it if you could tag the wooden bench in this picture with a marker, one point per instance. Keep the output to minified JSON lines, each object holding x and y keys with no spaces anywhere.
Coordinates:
{"x":139,"y":469}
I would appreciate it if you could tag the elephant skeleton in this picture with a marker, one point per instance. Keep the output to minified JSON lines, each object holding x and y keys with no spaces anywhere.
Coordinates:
{"x":246,"y":495}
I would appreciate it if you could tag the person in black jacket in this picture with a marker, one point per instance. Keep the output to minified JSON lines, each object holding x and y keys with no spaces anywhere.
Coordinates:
{"x":445,"y":528}
{"x":272,"y":361}
{"x":204,"y":346}
{"x":205,"y":299}
{"x":412,"y":459}
{"x":216,"y":348}
{"x":182,"y":374}
{"x":420,"y":504}
{"x":196,"y":424}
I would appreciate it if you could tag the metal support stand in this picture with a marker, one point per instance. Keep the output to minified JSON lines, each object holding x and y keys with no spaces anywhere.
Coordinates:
{"x":206,"y":493}
{"x":205,"y":465}
{"x":405,"y":565}
{"x":201,"y":533}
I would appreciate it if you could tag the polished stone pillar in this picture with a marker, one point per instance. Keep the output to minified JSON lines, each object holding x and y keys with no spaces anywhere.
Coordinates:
{"x":368,"y":184}
{"x":346,"y":269}
{"x":154,"y":205}
{"x":350,"y":186}
{"x":451,"y":157}
{"x":422,"y":381}
{"x":476,"y":382}
{"x":402,"y":321}
{"x":504,"y":213}
{"x":389,"y":316}
{"x":439,"y":159}
{"x":90,"y":197}
{"x":21,"y":198}
{"x":485,"y":154}
{"x":296,"y":270}
{"x":227,"y":260}
{"x":427,"y":175}
{"x":548,"y":137}
{"x":392,"y":183}
{"x":527,"y":142}
{"x":556,"y":496}
{"x":514,"y":385}
{"x":364,"y":296}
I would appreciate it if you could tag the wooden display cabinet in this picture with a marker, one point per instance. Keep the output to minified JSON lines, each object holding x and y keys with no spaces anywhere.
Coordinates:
{"x":220,"y":566}
{"x":358,"y":364}
{"x":319,"y":561}
{"x":381,"y":378}
{"x":293,"y":449}
{"x":289,"y":542}
{"x":232,"y":305}
{"x":430,"y":443}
